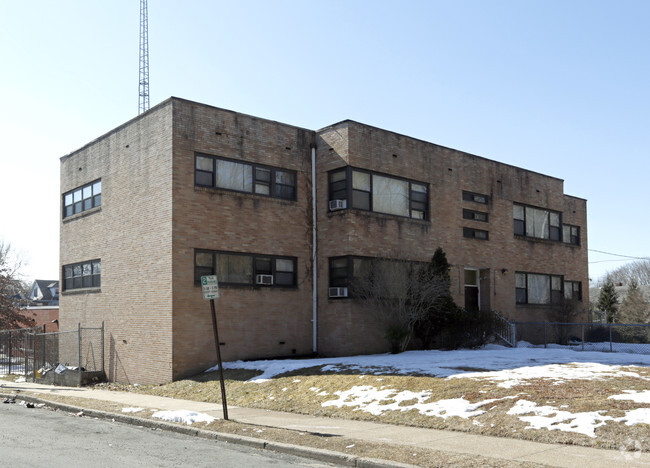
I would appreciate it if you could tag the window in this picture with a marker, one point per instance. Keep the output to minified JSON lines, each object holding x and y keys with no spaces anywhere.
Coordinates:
{"x":475,"y":233}
{"x":82,"y":198}
{"x":475,"y":215}
{"x":537,"y":222}
{"x":82,"y":275}
{"x":243,"y":269}
{"x":211,"y":171}
{"x":379,"y":193}
{"x":533,"y":288}
{"x":571,"y":234}
{"x":475,"y":197}
{"x":387,"y":275}
{"x":573,"y":290}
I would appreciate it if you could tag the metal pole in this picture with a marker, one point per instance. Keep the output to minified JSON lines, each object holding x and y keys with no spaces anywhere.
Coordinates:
{"x":583,"y":336}
{"x":218,"y":346}
{"x":545,"y":335}
{"x":103,"y":368}
{"x":25,"y":352}
{"x":79,"y":338}
{"x":34,"y":357}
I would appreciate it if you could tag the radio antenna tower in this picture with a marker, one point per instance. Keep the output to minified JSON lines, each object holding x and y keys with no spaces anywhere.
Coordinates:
{"x":144,"y":58}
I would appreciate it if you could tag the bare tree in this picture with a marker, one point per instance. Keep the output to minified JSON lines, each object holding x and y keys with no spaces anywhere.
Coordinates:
{"x":634,"y":309}
{"x":399,"y":292}
{"x":638,"y":271}
{"x":11,"y":289}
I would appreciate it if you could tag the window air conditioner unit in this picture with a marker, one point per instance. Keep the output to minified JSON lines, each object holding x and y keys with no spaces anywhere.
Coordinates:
{"x":338,"y":292}
{"x":338,"y":205}
{"x":266,"y":280}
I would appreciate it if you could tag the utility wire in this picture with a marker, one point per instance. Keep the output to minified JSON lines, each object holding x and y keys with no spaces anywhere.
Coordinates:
{"x":617,"y":255}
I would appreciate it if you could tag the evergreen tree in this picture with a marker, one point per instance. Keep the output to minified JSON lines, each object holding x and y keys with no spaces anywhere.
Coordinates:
{"x":441,"y":307}
{"x":608,"y":301}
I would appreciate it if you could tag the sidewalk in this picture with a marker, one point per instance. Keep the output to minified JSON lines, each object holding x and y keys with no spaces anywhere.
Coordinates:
{"x":446,"y":441}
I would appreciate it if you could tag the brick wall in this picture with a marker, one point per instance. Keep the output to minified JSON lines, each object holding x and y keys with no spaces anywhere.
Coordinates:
{"x":254,"y":321}
{"x":343,"y":327}
{"x":153,"y":217}
{"x":131,"y":234}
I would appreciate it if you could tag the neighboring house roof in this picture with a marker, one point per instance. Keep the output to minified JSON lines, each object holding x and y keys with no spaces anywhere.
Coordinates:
{"x":45,"y":291}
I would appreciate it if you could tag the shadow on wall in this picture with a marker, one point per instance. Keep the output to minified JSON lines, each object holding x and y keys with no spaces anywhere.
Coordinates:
{"x":116,"y":371}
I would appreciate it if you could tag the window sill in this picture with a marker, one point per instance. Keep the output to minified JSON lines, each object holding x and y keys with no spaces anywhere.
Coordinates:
{"x":251,"y":287}
{"x":83,"y":214}
{"x":254,"y":196}
{"x":72,"y":292}
{"x":376,"y":214}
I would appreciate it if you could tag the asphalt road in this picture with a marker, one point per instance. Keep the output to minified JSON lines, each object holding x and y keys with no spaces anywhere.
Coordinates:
{"x":39,"y":437}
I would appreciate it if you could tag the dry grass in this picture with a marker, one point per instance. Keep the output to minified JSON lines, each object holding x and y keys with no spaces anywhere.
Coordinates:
{"x":384,"y":451}
{"x":305,"y":391}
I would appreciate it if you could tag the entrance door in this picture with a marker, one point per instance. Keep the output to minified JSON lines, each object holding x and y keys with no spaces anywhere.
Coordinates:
{"x":471,"y":289}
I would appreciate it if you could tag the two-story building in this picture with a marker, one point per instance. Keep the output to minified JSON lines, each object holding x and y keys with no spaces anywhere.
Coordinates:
{"x":282,"y":214}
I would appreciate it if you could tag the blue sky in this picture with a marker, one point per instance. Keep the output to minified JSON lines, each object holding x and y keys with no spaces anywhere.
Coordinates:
{"x":557,"y":87}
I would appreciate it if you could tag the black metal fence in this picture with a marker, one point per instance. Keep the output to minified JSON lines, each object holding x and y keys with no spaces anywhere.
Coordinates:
{"x":608,"y":337}
{"x":13,"y":349}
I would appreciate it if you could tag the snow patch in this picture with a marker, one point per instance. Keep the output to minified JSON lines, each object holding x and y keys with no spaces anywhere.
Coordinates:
{"x":183,"y":416}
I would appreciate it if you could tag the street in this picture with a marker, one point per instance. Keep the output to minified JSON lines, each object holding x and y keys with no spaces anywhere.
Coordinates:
{"x":38,"y":437}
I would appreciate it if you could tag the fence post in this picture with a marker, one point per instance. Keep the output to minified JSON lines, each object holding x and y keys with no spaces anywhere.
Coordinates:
{"x":545,"y":345}
{"x":583,"y":336}
{"x":34,"y":357}
{"x":611,"y":349}
{"x":10,"y":349}
{"x":25,"y":353}
{"x":513,"y":327}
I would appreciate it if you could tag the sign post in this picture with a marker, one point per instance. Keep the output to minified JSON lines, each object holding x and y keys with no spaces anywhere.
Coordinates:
{"x":210,"y":287}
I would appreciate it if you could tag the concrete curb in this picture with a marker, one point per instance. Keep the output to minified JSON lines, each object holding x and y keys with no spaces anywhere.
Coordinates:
{"x":327,"y":456}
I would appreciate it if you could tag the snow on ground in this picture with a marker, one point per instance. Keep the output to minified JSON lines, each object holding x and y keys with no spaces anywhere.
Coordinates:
{"x":183,"y":416}
{"x":505,"y":366}
{"x":447,"y":363}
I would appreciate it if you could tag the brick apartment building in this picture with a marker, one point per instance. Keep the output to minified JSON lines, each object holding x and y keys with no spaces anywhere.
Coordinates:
{"x":187,"y":189}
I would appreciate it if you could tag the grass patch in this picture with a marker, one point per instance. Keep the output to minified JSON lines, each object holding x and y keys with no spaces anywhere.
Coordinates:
{"x":304,"y":391}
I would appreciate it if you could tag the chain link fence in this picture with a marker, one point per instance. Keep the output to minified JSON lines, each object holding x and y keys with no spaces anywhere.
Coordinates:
{"x":608,"y":337}
{"x":72,"y":358}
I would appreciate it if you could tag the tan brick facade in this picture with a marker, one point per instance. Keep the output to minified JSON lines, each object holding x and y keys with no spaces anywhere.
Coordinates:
{"x":153,"y":216}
